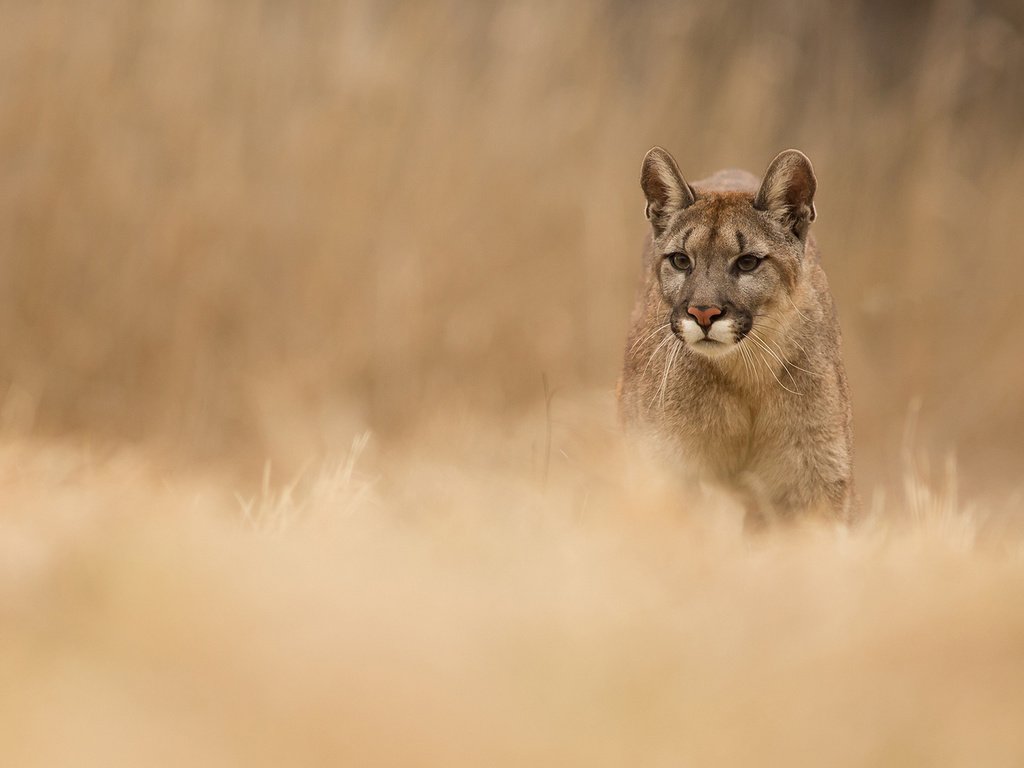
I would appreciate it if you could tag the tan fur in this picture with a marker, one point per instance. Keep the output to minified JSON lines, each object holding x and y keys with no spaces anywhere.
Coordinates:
{"x":769,"y":417}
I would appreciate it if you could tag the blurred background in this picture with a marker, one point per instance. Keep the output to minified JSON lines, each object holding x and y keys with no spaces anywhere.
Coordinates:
{"x":245,"y":230}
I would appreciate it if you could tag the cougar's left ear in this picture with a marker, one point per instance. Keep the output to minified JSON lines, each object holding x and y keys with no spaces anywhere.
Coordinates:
{"x":665,"y":188}
{"x":787,"y":192}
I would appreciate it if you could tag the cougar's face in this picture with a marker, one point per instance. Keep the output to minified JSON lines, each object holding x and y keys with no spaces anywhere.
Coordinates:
{"x":727,"y":260}
{"x":723,"y":270}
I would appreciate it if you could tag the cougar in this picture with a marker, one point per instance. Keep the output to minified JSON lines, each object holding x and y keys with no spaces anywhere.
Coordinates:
{"x":733,"y":369}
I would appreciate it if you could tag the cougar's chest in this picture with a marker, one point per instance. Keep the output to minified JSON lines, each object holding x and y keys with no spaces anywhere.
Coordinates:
{"x":713,"y":431}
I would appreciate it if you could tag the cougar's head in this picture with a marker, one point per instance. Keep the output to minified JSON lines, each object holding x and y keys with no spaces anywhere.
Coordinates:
{"x":729,"y":254}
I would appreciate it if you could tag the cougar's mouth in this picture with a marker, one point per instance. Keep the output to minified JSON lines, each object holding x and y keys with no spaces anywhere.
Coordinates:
{"x":716,"y":340}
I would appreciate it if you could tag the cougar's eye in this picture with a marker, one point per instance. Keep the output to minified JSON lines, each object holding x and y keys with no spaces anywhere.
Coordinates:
{"x":748,"y":263}
{"x":680,"y":261}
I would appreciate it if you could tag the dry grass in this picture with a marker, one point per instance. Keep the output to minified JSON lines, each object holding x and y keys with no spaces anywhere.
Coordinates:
{"x":235,"y":238}
{"x":493,"y":622}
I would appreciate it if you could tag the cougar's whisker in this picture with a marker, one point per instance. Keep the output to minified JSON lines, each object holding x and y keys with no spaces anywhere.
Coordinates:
{"x":777,"y":381}
{"x":793,"y":303}
{"x":780,"y":355}
{"x":666,"y":340}
{"x":771,"y":339}
{"x":768,"y":349}
{"x":645,"y":337}
{"x":669,"y":365}
{"x":746,"y":361}
{"x":749,"y":351}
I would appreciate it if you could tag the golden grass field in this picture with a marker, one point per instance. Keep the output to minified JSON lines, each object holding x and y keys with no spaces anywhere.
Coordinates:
{"x":310,"y":321}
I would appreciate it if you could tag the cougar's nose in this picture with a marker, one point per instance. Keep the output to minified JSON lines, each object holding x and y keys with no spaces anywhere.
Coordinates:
{"x":704,"y":316}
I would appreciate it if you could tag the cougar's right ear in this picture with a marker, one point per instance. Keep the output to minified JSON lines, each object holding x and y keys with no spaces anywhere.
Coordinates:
{"x":665,"y":188}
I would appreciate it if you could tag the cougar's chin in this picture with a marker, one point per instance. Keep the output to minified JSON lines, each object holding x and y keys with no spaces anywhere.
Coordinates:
{"x":712,"y":348}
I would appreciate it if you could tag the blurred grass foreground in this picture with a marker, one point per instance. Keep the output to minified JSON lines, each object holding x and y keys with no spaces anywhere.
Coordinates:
{"x":310,"y":319}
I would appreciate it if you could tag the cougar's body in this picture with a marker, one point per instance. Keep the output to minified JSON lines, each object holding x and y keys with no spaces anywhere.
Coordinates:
{"x":733,"y":371}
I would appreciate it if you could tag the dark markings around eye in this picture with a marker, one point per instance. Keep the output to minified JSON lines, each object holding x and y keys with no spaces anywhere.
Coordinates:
{"x":686,"y":236}
{"x":740,"y":241}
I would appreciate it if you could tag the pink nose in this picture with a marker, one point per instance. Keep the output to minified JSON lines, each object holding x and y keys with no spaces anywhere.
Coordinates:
{"x":704,"y":315}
